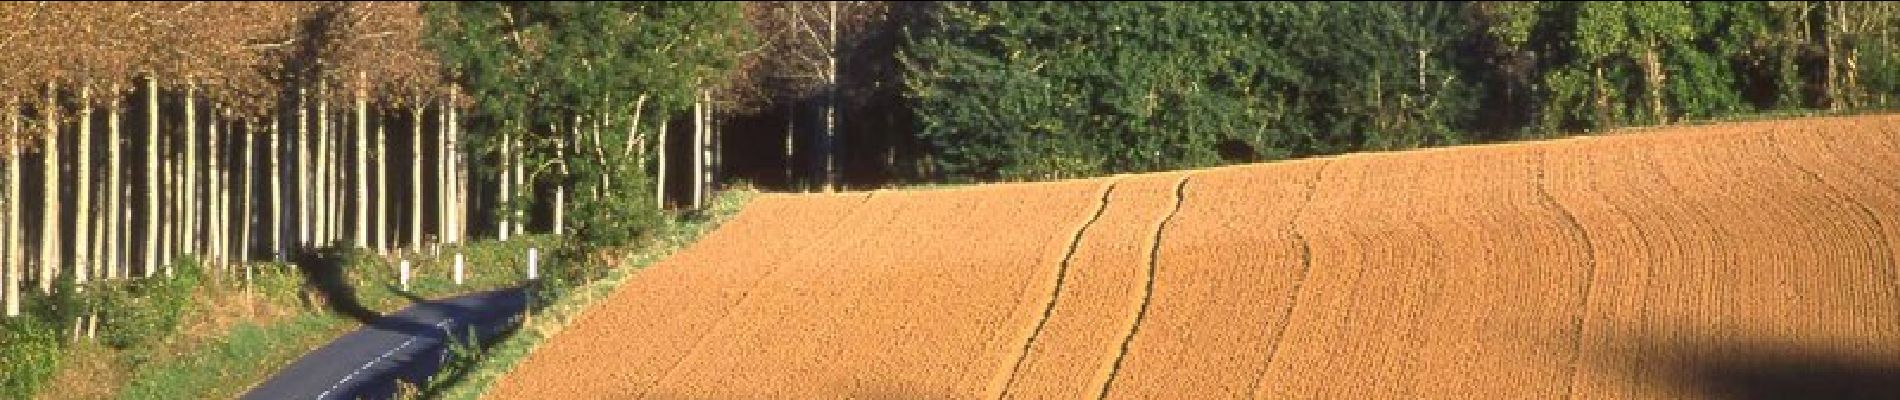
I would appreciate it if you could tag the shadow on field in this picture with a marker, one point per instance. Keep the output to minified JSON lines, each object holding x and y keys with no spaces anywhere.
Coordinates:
{"x":1752,"y":371}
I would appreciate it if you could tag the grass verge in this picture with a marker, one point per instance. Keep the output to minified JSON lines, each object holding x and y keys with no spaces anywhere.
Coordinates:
{"x":215,"y":334}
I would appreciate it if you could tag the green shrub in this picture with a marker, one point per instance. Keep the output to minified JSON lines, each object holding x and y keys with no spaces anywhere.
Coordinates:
{"x":29,"y":354}
{"x":136,"y":312}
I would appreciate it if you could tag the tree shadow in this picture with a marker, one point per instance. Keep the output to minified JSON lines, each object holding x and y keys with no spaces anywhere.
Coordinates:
{"x":322,"y":271}
{"x":1750,"y":371}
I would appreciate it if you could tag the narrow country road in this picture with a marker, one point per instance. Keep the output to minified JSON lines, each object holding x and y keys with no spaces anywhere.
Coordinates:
{"x":408,"y":345}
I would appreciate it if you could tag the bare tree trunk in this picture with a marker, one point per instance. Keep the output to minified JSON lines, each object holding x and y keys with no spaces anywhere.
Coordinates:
{"x":659,"y":181}
{"x":192,"y":242}
{"x":275,"y":158}
{"x":320,"y":203}
{"x":214,"y":221}
{"x":452,"y":211}
{"x":382,"y":219}
{"x":791,"y":119}
{"x":1830,"y":44}
{"x":461,"y":170}
{"x":151,"y":179}
{"x":560,"y":178}
{"x":360,"y":231}
{"x":82,"y":192}
{"x":109,"y":257}
{"x":49,"y":209}
{"x":302,"y":155}
{"x":415,"y":179}
{"x":169,"y":221}
{"x":504,"y":224}
{"x":832,"y":138}
{"x":699,"y":149}
{"x":521,"y":184}
{"x":191,"y":199}
{"x":248,"y":213}
{"x":15,"y":245}
{"x":1652,"y":65}
{"x":444,"y":187}
{"x":339,"y":177}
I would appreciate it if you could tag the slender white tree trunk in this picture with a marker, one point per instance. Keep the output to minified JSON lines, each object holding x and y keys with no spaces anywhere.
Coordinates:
{"x":275,"y":158}
{"x":699,"y":150}
{"x":320,"y":204}
{"x":659,"y":181}
{"x":444,"y":186}
{"x":303,"y":167}
{"x":507,"y":156}
{"x":415,"y":178}
{"x":248,"y":213}
{"x":339,"y":179}
{"x":15,"y":245}
{"x":339,"y":164}
{"x":151,"y":180}
{"x":82,"y":191}
{"x":214,"y":221}
{"x":445,"y":175}
{"x":170,"y":221}
{"x":49,"y":211}
{"x":832,"y":142}
{"x":560,"y":178}
{"x":381,"y":221}
{"x":521,"y":185}
{"x":192,"y":242}
{"x":458,"y":207}
{"x":360,"y":231}
{"x":109,"y":257}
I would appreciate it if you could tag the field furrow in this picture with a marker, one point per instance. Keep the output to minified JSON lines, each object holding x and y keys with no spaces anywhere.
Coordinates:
{"x":1434,"y":285}
{"x":1097,"y":304}
{"x":649,"y":323}
{"x":1745,"y":260}
{"x":1089,"y":288}
{"x":1148,"y":284}
{"x":1222,"y":281}
{"x":1798,"y":294}
{"x":924,"y":302}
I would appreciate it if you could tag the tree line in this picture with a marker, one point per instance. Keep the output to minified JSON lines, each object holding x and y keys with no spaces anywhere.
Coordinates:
{"x":1037,"y":90}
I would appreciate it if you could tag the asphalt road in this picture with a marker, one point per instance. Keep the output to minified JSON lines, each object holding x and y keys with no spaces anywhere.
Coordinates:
{"x":408,"y":345}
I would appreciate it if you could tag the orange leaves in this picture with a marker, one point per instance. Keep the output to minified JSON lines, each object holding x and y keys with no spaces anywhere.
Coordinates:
{"x":240,"y":54}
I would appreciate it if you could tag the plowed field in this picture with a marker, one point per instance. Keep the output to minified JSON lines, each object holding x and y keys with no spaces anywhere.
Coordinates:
{"x":1744,"y":260}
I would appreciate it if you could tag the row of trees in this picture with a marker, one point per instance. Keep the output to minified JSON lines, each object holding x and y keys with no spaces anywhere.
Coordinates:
{"x":230,"y":132}
{"x":139,"y":133}
{"x":1038,"y":90}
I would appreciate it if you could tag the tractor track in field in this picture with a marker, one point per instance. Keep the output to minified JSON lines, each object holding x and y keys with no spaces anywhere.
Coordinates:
{"x":1148,"y":286}
{"x":1589,"y":267}
{"x":1306,"y":269}
{"x":1055,"y":294}
{"x":1640,"y":265}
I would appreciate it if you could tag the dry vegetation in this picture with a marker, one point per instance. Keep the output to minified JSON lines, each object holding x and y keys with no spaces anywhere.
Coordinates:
{"x":1612,"y":266}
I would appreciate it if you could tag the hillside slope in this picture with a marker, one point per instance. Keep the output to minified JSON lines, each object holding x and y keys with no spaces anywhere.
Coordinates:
{"x":1750,"y":259}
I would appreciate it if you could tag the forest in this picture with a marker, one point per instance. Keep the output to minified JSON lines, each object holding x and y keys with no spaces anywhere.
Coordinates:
{"x":140,"y":133}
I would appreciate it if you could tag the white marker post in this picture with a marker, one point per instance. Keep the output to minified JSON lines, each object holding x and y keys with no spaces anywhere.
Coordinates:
{"x":405,"y":274}
{"x":458,"y":269}
{"x":532,"y":272}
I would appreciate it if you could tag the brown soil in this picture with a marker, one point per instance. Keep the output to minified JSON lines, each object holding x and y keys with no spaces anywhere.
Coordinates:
{"x":1749,"y":260}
